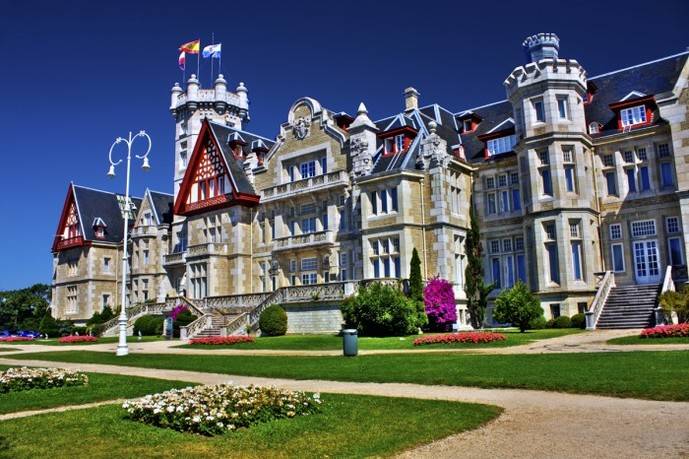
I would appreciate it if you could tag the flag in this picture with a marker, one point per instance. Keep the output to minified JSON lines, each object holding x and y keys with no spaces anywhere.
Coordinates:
{"x":182,"y":60}
{"x":192,"y":47}
{"x":212,"y":51}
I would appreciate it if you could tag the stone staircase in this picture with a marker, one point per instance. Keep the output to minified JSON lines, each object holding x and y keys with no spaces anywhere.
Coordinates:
{"x":629,"y":306}
{"x":216,"y":324}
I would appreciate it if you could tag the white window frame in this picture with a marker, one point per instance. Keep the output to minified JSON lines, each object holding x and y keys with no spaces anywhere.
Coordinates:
{"x":633,"y":115}
{"x":676,"y":223}
{"x":618,"y":226}
{"x":563,"y":105}
{"x":641,"y":228}
{"x":669,"y":252}
{"x":501,"y":144}
{"x":612,"y":257}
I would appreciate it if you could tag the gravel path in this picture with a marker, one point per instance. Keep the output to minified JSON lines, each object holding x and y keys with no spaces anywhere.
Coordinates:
{"x":535,"y":424}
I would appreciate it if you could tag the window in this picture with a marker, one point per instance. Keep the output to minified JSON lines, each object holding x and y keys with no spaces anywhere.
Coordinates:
{"x":502,"y":180}
{"x":672,"y":225}
{"x":145,"y":257}
{"x":199,"y":281}
{"x":633,"y":115}
{"x":309,"y":278}
{"x":343,"y":266}
{"x":554,"y":269}
{"x":105,"y":300}
{"x":574,"y":229}
{"x":569,"y":179}
{"x":496,"y":271}
{"x":594,"y":128}
{"x":504,"y":202}
{"x":631,"y":179}
{"x":567,"y":154}
{"x":563,"y":107}
{"x":516,"y":199}
{"x":641,"y":154}
{"x":608,"y":161}
{"x":308,"y":169}
{"x":501,"y":144}
{"x":543,"y":157}
{"x":521,"y":267}
{"x":293,"y":280}
{"x":490,"y":204}
{"x":539,"y":110}
{"x":666,"y":179}
{"x":611,"y":181}
{"x":308,"y":225}
{"x":324,"y":220}
{"x":490,"y":182}
{"x":324,"y":165}
{"x":467,"y":126}
{"x":518,"y":243}
{"x":547,"y":183}
{"x":549,"y":231}
{"x":644,"y":179}
{"x":385,"y":259}
{"x":394,"y":144}
{"x":674,"y":250}
{"x":644,"y":228}
{"x":617,"y":258}
{"x":507,"y":245}
{"x":72,"y":267}
{"x":147,"y":219}
{"x":555,"y":310}
{"x":459,"y":260}
{"x":393,"y":199}
{"x":292,"y":265}
{"x":106,"y":264}
{"x":183,"y":159}
{"x":144,"y":289}
{"x":309,"y":264}
{"x":292,"y":174}
{"x":72,"y":303}
{"x":494,"y":246}
{"x":383,"y":201}
{"x":628,"y":156}
{"x":576,"y":260}
{"x":514,"y":178}
{"x":663,"y":150}
{"x":582,"y":307}
{"x":615,"y":231}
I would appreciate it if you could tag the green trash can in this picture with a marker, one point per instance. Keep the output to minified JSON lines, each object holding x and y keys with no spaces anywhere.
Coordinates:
{"x":350,"y":343}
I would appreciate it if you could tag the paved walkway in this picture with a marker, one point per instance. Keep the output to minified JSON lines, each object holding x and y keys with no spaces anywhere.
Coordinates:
{"x":535,"y":424}
{"x":593,"y":341}
{"x":58,"y":409}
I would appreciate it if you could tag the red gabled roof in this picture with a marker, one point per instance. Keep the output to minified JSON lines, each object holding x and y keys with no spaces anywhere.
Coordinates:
{"x":58,"y":242}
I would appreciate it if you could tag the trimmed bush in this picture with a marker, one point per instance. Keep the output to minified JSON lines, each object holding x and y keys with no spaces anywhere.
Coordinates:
{"x":381,"y":310}
{"x":579,"y":321}
{"x":562,"y":322}
{"x":273,"y":321}
{"x":149,"y":325}
{"x":182,"y":319}
{"x":518,"y":306}
{"x":538,"y":323}
{"x":550,"y":323}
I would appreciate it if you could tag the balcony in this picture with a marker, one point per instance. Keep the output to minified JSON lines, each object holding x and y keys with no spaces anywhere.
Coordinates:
{"x":321,"y":238}
{"x":174,"y":259}
{"x":140,"y":231}
{"x":309,"y":185}
{"x":64,"y":244}
{"x":207,"y":248}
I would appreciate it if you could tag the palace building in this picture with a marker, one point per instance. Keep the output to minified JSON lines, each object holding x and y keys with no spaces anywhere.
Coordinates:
{"x":580,"y":185}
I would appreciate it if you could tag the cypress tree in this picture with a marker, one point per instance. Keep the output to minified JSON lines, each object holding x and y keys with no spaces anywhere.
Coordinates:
{"x":415,"y":281}
{"x":474,"y":287}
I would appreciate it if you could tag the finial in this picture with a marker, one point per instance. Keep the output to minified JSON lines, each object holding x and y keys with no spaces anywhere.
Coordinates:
{"x":362,"y":108}
{"x":432,"y":126}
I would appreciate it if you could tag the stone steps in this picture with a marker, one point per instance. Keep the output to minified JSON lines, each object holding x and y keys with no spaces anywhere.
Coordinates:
{"x":629,"y":306}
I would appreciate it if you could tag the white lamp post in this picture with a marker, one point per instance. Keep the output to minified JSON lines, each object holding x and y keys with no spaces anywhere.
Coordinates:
{"x":122,"y":348}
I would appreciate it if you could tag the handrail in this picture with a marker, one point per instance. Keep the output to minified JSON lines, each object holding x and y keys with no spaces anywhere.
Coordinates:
{"x":133,"y":313}
{"x":605,"y":285}
{"x":195,"y":327}
{"x":668,"y":282}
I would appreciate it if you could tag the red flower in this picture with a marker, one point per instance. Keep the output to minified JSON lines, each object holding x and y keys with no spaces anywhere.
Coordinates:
{"x":462,"y":337}
{"x":77,"y":339}
{"x":666,"y":331}
{"x":11,"y":339}
{"x":222,"y":340}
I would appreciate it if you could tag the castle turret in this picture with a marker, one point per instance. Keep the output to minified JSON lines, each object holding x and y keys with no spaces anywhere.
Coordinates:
{"x":220,"y":94}
{"x":541,"y":46}
{"x":362,"y":142}
{"x":174,"y":95}
{"x":243,"y":95}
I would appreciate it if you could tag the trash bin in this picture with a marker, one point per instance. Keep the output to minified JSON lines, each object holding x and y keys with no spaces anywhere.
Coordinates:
{"x":350,"y":344}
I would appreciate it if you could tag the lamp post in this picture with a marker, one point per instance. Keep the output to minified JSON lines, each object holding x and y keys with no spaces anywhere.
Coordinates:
{"x":122,"y":348}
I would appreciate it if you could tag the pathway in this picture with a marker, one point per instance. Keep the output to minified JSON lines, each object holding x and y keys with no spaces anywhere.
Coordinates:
{"x":535,"y":424}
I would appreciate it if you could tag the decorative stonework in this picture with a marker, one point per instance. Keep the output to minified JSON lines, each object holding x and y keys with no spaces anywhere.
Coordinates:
{"x":361,"y":154}
{"x":433,"y":150}
{"x":301,"y":128}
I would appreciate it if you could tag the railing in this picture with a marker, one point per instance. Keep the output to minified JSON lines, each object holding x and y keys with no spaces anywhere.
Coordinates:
{"x":605,"y":283}
{"x":668,"y":286}
{"x":147,"y":230}
{"x":229,"y":302}
{"x":174,"y":258}
{"x":255,"y":314}
{"x":209,"y":95}
{"x":236,"y":324}
{"x":304,"y":240}
{"x":70,"y":242}
{"x":207,"y":248}
{"x":311,"y":184}
{"x":133,"y":313}
{"x":315,"y":292}
{"x":191,"y":304}
{"x":196,"y":327}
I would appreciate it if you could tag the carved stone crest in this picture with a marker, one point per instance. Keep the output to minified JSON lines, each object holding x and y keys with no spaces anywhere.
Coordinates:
{"x":301,"y":128}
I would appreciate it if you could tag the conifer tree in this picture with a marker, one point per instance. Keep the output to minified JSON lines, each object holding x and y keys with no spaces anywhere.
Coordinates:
{"x":474,"y":286}
{"x":415,"y":281}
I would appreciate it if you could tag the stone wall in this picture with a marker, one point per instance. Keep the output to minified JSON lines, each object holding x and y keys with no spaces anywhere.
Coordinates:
{"x":316,"y":318}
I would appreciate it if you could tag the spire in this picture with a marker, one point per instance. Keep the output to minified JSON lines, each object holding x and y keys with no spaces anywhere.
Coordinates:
{"x":362,"y":118}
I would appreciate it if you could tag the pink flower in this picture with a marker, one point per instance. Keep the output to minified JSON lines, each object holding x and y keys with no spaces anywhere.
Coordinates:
{"x":666,"y":331}
{"x":11,"y":339}
{"x":462,"y":337}
{"x":222,"y":340}
{"x":439,"y":302}
{"x":77,"y":339}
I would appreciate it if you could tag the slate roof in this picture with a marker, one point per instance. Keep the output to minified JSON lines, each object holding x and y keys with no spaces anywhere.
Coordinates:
{"x":162,"y":204}
{"x":655,"y":78}
{"x":93,"y":204}
{"x":225,"y":133}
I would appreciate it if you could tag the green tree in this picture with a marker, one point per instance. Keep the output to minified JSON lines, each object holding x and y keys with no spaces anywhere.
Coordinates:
{"x":518,"y":306}
{"x":415,"y":280}
{"x":677,"y":302}
{"x":381,"y":310}
{"x":24,"y":308}
{"x":474,"y":285}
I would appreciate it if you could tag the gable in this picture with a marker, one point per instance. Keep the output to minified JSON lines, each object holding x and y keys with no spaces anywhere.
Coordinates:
{"x":69,"y":232}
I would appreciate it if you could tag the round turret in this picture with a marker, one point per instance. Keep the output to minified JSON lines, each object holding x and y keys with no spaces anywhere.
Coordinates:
{"x":175,"y":92}
{"x":220,"y":94}
{"x":243,"y":94}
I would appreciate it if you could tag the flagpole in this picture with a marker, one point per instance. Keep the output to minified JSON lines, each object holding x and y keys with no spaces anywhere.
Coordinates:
{"x":212,"y":43}
{"x":198,"y":63}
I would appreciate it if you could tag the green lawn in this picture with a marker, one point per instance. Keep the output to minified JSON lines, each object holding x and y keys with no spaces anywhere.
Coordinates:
{"x":104,"y":340}
{"x":347,"y":426}
{"x":648,"y":375}
{"x":334,"y":342}
{"x":639,"y":340}
{"x":101,"y":387}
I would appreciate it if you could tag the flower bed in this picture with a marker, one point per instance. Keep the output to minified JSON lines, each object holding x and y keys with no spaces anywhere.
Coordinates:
{"x":222,"y":340}
{"x":16,"y":379}
{"x":14,"y":339}
{"x":211,"y":410}
{"x":463,"y":337}
{"x":77,"y":339}
{"x":666,"y":331}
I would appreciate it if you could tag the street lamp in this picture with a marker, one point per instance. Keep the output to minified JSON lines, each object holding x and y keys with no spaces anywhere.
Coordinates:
{"x":122,"y":348}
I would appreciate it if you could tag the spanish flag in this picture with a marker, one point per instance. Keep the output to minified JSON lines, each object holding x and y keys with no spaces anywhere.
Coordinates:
{"x":192,"y":47}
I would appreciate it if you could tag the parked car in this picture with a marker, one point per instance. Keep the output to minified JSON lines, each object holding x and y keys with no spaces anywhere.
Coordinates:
{"x":5,"y":333}
{"x":28,"y":334}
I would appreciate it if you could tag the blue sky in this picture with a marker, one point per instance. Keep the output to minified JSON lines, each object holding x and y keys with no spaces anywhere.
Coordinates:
{"x":75,"y":75}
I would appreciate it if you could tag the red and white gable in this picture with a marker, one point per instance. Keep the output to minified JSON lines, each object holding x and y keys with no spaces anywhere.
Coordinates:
{"x":69,"y":232}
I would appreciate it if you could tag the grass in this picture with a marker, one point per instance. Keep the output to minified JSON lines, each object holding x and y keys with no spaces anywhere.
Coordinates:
{"x":347,"y":426}
{"x":6,"y":349}
{"x":103,"y":340}
{"x":646,"y":375}
{"x":334,"y":342}
{"x":101,"y":387}
{"x":639,"y":340}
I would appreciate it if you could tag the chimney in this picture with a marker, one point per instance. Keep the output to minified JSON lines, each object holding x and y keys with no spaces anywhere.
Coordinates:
{"x":541,"y":46}
{"x":411,"y":99}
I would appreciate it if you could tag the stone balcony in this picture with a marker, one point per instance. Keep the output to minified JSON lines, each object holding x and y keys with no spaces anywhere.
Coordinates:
{"x":309,"y":185}
{"x":207,"y":248}
{"x":174,"y":259}
{"x":141,"y":231}
{"x":318,"y":239}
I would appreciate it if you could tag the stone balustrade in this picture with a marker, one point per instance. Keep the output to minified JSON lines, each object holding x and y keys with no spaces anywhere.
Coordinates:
{"x":311,"y":184}
{"x":207,"y":248}
{"x":319,"y":238}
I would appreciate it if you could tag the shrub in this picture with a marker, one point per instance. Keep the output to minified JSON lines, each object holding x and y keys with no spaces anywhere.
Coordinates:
{"x":578,"y":320}
{"x":211,"y":410}
{"x":562,"y":322}
{"x":666,"y":331}
{"x":518,"y":306}
{"x":97,"y":329}
{"x":381,"y":310}
{"x":49,"y":325}
{"x":16,"y":379}
{"x":183,"y":319}
{"x":273,"y":321}
{"x":439,"y":302}
{"x":550,"y":323}
{"x":81,"y":330}
{"x":149,"y":325}
{"x":106,"y":314}
{"x":77,"y":339}
{"x":223,"y":340}
{"x":677,"y":302}
{"x":538,"y":323}
{"x":462,"y":337}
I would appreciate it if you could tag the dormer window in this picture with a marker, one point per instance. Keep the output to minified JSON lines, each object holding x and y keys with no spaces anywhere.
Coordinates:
{"x":594,"y":127}
{"x":467,"y":126}
{"x":99,"y":228}
{"x":501,"y":145}
{"x":395,"y":144}
{"x":633,"y":115}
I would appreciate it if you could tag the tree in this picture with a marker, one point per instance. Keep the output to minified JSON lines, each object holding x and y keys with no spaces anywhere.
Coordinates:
{"x":439,"y":302}
{"x":24,"y":308}
{"x":474,"y":286}
{"x":415,"y":280}
{"x":381,"y":310}
{"x":518,"y":306}
{"x":677,"y":302}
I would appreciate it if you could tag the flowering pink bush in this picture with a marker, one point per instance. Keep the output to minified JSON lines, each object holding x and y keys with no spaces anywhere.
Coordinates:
{"x":12,"y":339}
{"x":177,"y":310}
{"x":666,"y":331}
{"x":462,"y":337}
{"x":439,"y":301}
{"x":77,"y":339}
{"x":220,"y":340}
